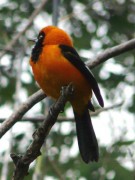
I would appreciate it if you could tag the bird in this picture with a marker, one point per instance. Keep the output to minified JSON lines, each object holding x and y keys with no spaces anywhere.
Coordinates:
{"x":56,"y":63}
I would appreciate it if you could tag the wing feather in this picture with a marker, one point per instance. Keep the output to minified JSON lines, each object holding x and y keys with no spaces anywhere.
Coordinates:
{"x":71,"y":54}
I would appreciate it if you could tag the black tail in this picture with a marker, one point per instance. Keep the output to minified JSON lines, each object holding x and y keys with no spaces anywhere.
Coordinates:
{"x":86,"y":137}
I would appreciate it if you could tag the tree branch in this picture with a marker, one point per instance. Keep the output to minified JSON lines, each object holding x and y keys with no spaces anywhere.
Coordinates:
{"x":39,"y":119}
{"x":32,"y":17}
{"x":22,"y":109}
{"x":111,"y":52}
{"x":22,"y":162}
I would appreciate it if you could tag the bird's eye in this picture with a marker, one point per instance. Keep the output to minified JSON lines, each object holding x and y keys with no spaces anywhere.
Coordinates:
{"x":40,"y":37}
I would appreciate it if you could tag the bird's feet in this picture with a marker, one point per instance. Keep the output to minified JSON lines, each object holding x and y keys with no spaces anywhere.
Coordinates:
{"x":67,"y":90}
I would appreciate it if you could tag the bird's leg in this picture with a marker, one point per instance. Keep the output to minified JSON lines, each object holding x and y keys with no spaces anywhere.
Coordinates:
{"x":67,"y":89}
{"x":64,"y":90}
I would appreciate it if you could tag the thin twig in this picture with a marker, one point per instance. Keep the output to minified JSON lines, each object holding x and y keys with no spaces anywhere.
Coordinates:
{"x":39,"y":119}
{"x":7,"y":50}
{"x":22,"y":162}
{"x":55,"y":168}
{"x":55,"y":16}
{"x":5,"y":167}
{"x":17,"y":36}
{"x":22,"y":109}
{"x":132,"y":159}
{"x":106,"y":108}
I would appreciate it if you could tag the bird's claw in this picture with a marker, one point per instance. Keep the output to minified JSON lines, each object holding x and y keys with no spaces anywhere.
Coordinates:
{"x":67,"y":90}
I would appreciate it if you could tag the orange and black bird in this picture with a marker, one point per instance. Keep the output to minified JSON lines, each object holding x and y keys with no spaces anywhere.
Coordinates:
{"x":55,"y":63}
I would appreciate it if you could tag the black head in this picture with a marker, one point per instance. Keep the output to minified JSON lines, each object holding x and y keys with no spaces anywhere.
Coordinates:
{"x":37,"y":49}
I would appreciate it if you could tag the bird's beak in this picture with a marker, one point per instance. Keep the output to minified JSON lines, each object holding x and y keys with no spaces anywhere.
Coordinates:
{"x":32,"y":40}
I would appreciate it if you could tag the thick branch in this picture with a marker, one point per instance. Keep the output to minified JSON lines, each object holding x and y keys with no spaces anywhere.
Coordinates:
{"x":112,"y":52}
{"x":22,"y":162}
{"x":32,"y":17}
{"x":22,"y":109}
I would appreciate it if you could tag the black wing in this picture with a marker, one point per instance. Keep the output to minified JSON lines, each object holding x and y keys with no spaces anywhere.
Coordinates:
{"x":71,"y":54}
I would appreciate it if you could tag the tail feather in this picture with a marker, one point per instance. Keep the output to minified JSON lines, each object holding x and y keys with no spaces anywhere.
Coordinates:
{"x":86,"y":137}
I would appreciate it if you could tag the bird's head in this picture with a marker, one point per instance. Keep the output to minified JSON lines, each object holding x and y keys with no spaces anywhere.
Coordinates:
{"x":52,"y":35}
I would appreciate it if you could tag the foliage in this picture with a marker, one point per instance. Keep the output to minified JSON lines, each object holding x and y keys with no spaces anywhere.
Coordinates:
{"x":94,"y":26}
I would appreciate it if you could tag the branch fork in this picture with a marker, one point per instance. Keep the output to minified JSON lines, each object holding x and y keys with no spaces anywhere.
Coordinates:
{"x":22,"y":162}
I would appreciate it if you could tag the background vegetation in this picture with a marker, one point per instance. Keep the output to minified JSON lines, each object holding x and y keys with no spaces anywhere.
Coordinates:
{"x":94,"y":26}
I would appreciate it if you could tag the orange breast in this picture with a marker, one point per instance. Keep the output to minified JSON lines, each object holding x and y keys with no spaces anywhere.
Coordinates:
{"x":52,"y":71}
